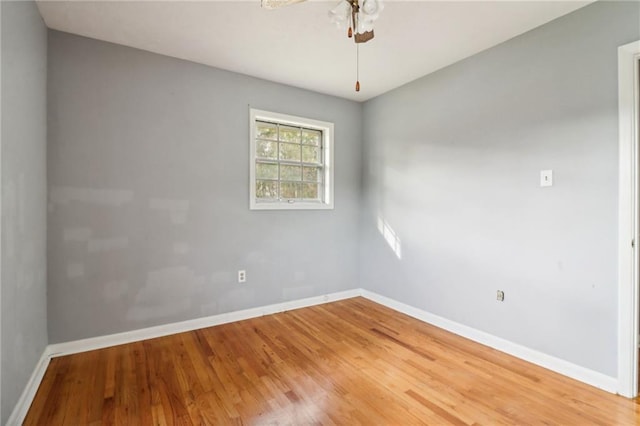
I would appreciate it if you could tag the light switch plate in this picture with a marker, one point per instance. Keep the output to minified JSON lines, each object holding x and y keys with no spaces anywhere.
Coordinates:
{"x":546,"y":178}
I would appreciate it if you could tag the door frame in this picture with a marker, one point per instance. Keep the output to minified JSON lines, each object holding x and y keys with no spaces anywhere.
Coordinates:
{"x":628,"y":218}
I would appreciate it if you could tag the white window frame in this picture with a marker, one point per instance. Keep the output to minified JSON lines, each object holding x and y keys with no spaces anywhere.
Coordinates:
{"x":327,"y":160}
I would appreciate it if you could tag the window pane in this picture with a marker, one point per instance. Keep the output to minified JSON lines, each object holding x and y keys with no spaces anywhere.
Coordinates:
{"x":310,"y":154}
{"x":266,"y":149}
{"x":290,"y":190}
{"x":310,"y":190}
{"x":289,"y":134}
{"x":266,"y":171}
{"x":266,"y":130}
{"x":311,"y":174}
{"x":288,"y":162}
{"x":311,"y":137}
{"x":266,"y":189}
{"x":289,"y":151}
{"x":291,"y":172}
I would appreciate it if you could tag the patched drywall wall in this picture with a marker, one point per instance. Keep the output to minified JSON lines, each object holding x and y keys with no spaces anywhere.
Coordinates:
{"x":454,"y":209}
{"x":148,"y":212}
{"x":24,"y":124}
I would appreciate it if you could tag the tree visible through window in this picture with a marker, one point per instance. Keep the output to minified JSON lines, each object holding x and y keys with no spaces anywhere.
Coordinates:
{"x":290,"y":162}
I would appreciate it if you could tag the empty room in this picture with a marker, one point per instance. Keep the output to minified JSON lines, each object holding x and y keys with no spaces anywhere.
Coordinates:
{"x":319,"y":212}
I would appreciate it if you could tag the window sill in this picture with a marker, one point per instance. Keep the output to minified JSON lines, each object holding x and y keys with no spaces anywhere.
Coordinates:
{"x":297,"y":205}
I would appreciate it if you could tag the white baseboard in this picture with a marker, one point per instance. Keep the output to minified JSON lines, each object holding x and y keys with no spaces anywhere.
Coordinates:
{"x":560,"y":366}
{"x":22,"y":407}
{"x":68,"y":348}
{"x":566,"y":368}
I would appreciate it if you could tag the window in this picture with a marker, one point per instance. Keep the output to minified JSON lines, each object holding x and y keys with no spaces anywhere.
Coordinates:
{"x":291,"y":162}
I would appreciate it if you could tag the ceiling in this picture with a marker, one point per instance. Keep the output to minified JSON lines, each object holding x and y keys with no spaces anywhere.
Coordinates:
{"x":297,"y":45}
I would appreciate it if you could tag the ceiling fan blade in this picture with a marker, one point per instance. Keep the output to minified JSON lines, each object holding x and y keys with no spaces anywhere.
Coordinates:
{"x":274,"y":4}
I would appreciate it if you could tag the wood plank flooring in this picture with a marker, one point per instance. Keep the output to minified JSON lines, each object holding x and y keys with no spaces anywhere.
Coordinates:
{"x":348,"y":362}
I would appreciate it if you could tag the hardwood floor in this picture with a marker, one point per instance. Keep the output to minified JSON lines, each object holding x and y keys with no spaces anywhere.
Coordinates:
{"x":348,"y":362}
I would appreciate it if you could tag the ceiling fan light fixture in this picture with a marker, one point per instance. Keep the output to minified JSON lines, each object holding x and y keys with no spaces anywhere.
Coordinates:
{"x":367,"y":15}
{"x":339,"y":15}
{"x":357,"y":15}
{"x":364,"y":24}
{"x":372,"y":8}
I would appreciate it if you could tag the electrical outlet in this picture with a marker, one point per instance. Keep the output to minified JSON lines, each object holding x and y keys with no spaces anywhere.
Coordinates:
{"x":500,"y":296}
{"x":242,"y":276}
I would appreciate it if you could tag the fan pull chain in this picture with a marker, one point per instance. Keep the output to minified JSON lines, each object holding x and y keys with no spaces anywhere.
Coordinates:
{"x":357,"y":67}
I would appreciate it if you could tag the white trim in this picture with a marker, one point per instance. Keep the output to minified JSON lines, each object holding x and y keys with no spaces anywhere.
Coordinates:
{"x":77,"y":346}
{"x":29,"y":392}
{"x":558,"y":365}
{"x":1,"y":215}
{"x":628,"y":56}
{"x":327,"y":160}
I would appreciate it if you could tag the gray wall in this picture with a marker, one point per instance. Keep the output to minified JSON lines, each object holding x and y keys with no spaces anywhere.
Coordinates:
{"x":24,"y":123}
{"x":149,"y":216}
{"x":452,"y":165}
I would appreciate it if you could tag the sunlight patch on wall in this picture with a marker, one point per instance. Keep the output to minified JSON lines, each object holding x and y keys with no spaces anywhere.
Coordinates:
{"x":390,"y":236}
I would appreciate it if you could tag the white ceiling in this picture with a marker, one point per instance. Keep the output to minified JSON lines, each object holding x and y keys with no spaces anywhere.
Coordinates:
{"x":297,"y":45}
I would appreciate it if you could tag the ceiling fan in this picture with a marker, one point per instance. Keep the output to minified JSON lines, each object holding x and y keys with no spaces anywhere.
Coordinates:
{"x":359,"y":15}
